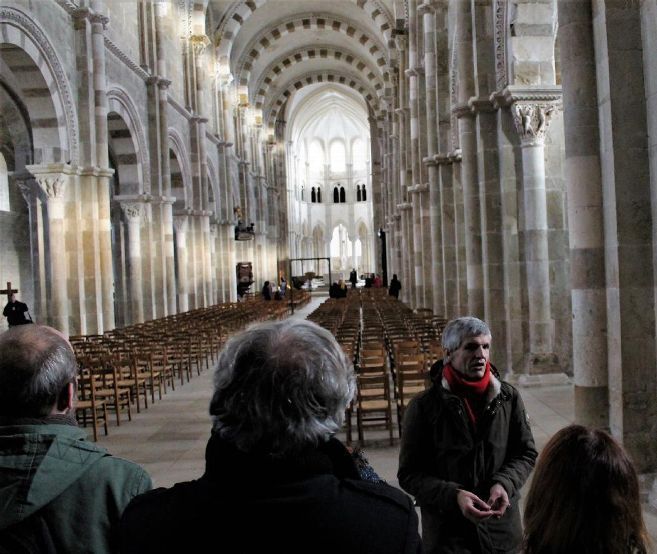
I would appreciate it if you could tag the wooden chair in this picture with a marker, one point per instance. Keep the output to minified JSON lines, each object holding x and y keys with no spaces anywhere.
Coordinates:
{"x":104,"y":371}
{"x":87,"y":404}
{"x":373,"y":399}
{"x":412,"y":378}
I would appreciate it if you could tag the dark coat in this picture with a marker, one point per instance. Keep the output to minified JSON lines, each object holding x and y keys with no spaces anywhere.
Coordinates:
{"x":244,"y":503}
{"x":395,"y":287}
{"x":440,"y":453}
{"x":15,"y":313}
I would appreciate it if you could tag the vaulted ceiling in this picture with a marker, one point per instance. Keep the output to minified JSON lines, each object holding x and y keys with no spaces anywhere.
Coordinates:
{"x":276,"y":48}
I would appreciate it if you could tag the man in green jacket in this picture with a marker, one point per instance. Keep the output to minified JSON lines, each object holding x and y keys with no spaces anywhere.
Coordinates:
{"x":58,"y":492}
{"x":467,"y":449}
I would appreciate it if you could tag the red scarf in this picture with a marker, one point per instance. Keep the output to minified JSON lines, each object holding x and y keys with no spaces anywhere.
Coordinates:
{"x":471,"y":392}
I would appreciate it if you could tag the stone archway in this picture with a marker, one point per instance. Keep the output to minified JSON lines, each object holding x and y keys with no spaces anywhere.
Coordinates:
{"x":128,"y":215}
{"x":38,"y":137}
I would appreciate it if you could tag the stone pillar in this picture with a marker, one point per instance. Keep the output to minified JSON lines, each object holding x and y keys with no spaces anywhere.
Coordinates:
{"x":133,"y":213}
{"x":29,"y":191}
{"x":228,"y":260}
{"x":208,"y":290}
{"x":406,"y":210}
{"x":448,"y":253}
{"x":472,"y":215}
{"x":52,"y":181}
{"x":585,"y":213}
{"x":630,"y":221}
{"x":214,"y":267}
{"x":468,"y":144}
{"x":433,"y":244}
{"x":532,"y":120}
{"x":181,"y":224}
{"x":98,"y":24}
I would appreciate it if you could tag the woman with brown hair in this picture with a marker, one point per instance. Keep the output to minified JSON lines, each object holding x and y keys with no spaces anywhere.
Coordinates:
{"x":584,"y":498}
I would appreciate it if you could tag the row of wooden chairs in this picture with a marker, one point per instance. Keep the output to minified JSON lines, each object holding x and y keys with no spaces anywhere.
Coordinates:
{"x":128,"y":367}
{"x":392,"y":348}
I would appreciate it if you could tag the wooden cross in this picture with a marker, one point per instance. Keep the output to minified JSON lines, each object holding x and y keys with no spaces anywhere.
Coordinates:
{"x":8,"y":291}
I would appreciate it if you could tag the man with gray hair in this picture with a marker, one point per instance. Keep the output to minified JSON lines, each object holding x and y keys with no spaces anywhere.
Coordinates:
{"x":467,"y":449}
{"x":58,"y":492}
{"x":276,"y":478}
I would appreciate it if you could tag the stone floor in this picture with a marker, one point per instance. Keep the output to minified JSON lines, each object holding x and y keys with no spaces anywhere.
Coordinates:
{"x":169,"y":438}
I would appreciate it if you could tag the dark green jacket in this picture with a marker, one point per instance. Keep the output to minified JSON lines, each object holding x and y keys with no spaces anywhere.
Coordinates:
{"x":61,"y":493}
{"x":440,"y":453}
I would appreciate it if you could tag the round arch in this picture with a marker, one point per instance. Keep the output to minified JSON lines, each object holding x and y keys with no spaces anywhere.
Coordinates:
{"x":181,"y":173}
{"x":24,"y":44}
{"x":136,"y":155}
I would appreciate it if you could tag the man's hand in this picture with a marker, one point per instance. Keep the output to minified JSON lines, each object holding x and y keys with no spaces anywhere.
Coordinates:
{"x":499,"y":500}
{"x":472,"y":507}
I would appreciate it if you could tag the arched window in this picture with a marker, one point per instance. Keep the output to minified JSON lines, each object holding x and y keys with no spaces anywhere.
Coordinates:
{"x":319,"y":195}
{"x":343,"y":196}
{"x":336,"y":195}
{"x":313,"y":197}
{"x":357,"y":193}
{"x":302,"y":192}
{"x":338,"y":161}
{"x":364,"y":194}
{"x":4,"y":185}
{"x":316,"y":157}
{"x":358,"y":156}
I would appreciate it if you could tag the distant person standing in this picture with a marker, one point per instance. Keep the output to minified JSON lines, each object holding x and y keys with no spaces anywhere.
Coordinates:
{"x":283,"y":286}
{"x":395,"y":286}
{"x":266,"y":291}
{"x":353,"y":278}
{"x":15,"y":312}
{"x":378,"y":282}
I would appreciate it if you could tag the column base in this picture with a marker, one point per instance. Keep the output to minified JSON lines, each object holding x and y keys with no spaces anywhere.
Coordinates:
{"x":538,"y":379}
{"x":540,"y":369}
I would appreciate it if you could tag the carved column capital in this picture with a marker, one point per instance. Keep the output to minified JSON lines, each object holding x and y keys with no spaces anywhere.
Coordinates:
{"x":52,"y":185}
{"x":133,"y":211}
{"x":532,"y":120}
{"x":180,"y":223}
{"x":199,"y":44}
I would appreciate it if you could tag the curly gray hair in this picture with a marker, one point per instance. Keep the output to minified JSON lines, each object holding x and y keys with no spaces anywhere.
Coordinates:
{"x":461,"y":328}
{"x":280,"y":386}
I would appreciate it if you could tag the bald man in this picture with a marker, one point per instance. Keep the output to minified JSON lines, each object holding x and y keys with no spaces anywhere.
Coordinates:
{"x":58,"y":492}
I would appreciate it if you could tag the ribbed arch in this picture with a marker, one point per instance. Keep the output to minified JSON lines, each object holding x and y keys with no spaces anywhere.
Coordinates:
{"x":277,"y":68}
{"x":242,"y":11}
{"x":272,"y":110}
{"x":311,"y":22}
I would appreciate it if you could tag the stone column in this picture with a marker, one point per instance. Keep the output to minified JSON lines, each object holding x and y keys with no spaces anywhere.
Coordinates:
{"x":208,"y":289}
{"x":98,"y":23}
{"x":181,"y":224}
{"x":229,"y":260}
{"x":447,"y":255}
{"x":468,"y":144}
{"x":630,"y":221}
{"x":133,"y":213}
{"x":406,"y":210}
{"x":52,"y":181}
{"x":29,"y":191}
{"x":585,"y":213}
{"x":433,"y":246}
{"x":532,"y":120}
{"x":214,"y":281}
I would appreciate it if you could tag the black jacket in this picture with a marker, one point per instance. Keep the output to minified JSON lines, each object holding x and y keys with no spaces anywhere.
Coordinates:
{"x":244,"y":503}
{"x":440,"y":453}
{"x":15,"y":313}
